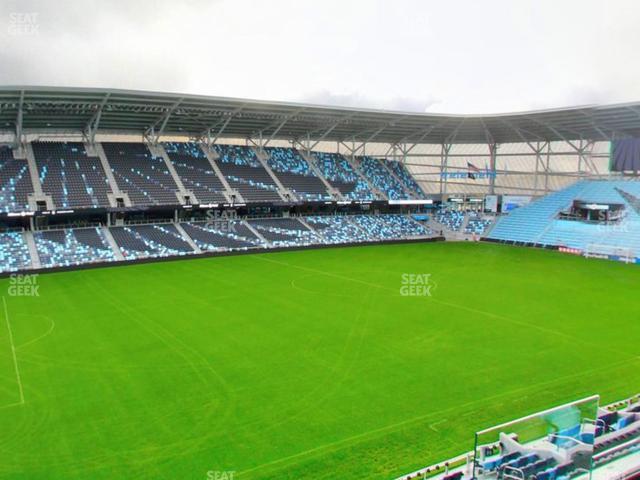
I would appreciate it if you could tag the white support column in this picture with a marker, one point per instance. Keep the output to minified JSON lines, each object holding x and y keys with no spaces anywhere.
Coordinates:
{"x":257,"y":233}
{"x":38,"y":194}
{"x":282,"y":190}
{"x":187,"y":238}
{"x":115,"y":189}
{"x":311,"y":229}
{"x":444,"y":168}
{"x":493,"y":152}
{"x":546,"y":170}
{"x":356,"y":168}
{"x":537,"y":151}
{"x":33,"y":169}
{"x":27,"y":235}
{"x":112,"y":243}
{"x":211,"y":156}
{"x":159,"y":151}
{"x":400,"y":182}
{"x":334,"y":192}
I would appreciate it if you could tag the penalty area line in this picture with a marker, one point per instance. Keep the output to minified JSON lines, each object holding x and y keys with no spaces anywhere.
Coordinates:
{"x":13,"y":351}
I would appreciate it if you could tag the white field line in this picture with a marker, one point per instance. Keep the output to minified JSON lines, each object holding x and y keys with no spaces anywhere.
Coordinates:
{"x":13,"y":351}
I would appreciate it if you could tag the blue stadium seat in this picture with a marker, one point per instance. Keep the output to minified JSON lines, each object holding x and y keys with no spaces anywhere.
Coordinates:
{"x":15,"y":182}
{"x":78,"y":246}
{"x":14,"y":253}
{"x":337,"y":170}
{"x":195,"y":171}
{"x":245,"y":173}
{"x":382,"y":179}
{"x":294,"y":173}
{"x":70,"y":176}
{"x":143,"y":176}
{"x":144,"y":241}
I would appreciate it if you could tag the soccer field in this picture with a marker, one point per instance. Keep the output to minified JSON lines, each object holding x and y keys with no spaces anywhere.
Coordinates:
{"x":303,"y":365}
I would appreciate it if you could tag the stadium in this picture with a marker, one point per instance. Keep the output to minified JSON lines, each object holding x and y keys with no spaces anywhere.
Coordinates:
{"x":204,"y":287}
{"x":319,"y":240}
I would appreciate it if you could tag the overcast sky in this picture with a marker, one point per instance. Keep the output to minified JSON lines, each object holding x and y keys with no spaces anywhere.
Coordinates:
{"x":465,"y":56}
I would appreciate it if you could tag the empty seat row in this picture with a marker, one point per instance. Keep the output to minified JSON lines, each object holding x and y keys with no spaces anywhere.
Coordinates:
{"x":221,"y":235}
{"x":143,"y":176}
{"x":14,"y":252}
{"x":15,"y":182}
{"x":339,"y":173}
{"x":78,"y":246}
{"x":539,"y":222}
{"x":70,"y":176}
{"x":294,"y":173}
{"x":409,"y":183}
{"x":476,"y":224}
{"x":450,"y":218}
{"x":143,"y":241}
{"x":59,"y":248}
{"x":196,"y":172}
{"x":338,"y":229}
{"x":390,"y":227}
{"x":244,"y":173}
{"x":285,"y":232}
{"x":382,"y":178}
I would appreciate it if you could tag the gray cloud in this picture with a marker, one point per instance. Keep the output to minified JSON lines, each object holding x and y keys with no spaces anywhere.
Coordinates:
{"x":406,"y":104}
{"x":461,"y":56}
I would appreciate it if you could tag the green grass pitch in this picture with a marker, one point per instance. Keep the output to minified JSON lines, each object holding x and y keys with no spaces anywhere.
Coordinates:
{"x":303,"y":365}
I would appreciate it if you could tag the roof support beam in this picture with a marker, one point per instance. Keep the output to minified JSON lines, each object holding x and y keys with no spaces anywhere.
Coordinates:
{"x":278,"y":126}
{"x":151,"y":134}
{"x":94,"y":122}
{"x":18,"y":140}
{"x":424,"y":133}
{"x":225,"y":122}
{"x":557,"y":133}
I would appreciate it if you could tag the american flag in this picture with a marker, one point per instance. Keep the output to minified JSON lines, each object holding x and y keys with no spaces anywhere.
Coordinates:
{"x":472,"y":170}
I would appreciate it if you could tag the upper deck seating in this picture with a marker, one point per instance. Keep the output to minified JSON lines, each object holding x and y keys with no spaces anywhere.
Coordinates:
{"x":408,"y":181}
{"x":195,"y":171}
{"x":144,"y":177}
{"x":72,"y":178}
{"x":295,"y":173}
{"x":382,"y":179}
{"x":245,"y":173}
{"x":15,"y":182}
{"x":339,"y":173}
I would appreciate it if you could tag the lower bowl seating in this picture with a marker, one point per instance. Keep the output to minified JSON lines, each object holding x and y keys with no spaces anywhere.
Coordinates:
{"x":338,"y":229}
{"x":221,"y":235}
{"x":14,"y":253}
{"x":285,"y":232}
{"x":61,"y":248}
{"x":143,"y":241}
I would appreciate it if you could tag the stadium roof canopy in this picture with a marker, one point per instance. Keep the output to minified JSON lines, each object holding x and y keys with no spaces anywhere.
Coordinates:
{"x":91,"y":110}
